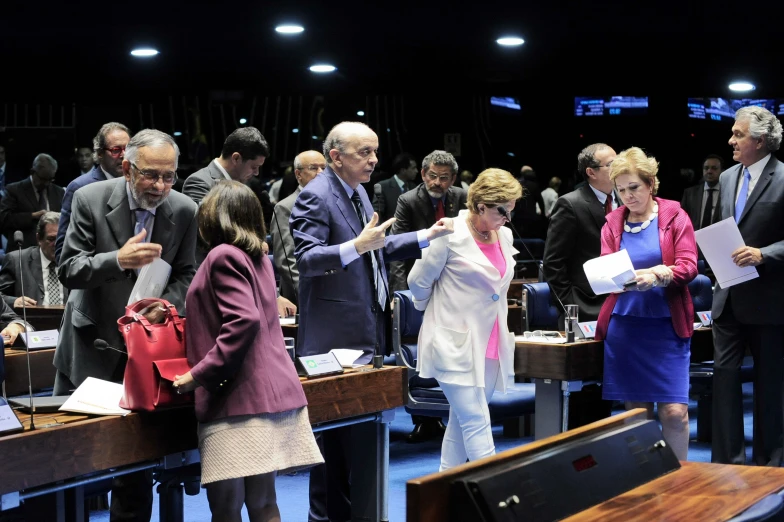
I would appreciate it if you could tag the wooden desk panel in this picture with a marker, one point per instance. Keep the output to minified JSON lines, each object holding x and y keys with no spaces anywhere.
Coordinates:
{"x":41,"y":370}
{"x":697,"y":491}
{"x":565,"y":362}
{"x":84,"y":445}
{"x":44,"y":317}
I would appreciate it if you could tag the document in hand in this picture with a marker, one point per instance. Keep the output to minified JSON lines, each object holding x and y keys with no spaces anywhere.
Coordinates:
{"x":151,"y":281}
{"x":96,"y":397}
{"x":717,"y":243}
{"x":608,"y":273}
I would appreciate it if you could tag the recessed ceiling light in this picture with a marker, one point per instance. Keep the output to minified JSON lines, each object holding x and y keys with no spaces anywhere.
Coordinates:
{"x":322,"y":68}
{"x":144,"y":53}
{"x":510,"y":41}
{"x":289,"y":29}
{"x":742,"y":86}
{"x":243,"y":121}
{"x":177,"y":133}
{"x":360,"y":113}
{"x":314,"y":137}
{"x":510,"y":154}
{"x":295,"y":131}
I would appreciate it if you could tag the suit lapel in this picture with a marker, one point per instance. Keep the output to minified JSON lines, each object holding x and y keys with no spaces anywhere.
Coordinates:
{"x":759,"y":188}
{"x":215,"y":172}
{"x":594,"y":206}
{"x":451,"y":209}
{"x":728,"y":193}
{"x":343,"y":201}
{"x":118,"y":216}
{"x":29,"y":192}
{"x":35,"y":267}
{"x":163,"y":224}
{"x":464,"y":243}
{"x":426,"y":203}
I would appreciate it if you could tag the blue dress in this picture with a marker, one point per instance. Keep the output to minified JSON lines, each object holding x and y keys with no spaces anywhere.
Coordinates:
{"x":644,"y":359}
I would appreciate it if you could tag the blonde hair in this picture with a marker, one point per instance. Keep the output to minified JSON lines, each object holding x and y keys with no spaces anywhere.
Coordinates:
{"x":634,"y":161}
{"x":493,"y":187}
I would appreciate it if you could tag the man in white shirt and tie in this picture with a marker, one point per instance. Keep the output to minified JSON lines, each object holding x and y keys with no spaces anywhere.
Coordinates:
{"x":38,"y":273}
{"x":701,"y":201}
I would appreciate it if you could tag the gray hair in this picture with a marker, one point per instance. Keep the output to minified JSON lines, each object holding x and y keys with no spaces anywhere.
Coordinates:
{"x":337,"y":137}
{"x":762,"y":122}
{"x":150,"y":138}
{"x":99,"y":142}
{"x":45,"y":158}
{"x":440,"y":157}
{"x":49,"y":218}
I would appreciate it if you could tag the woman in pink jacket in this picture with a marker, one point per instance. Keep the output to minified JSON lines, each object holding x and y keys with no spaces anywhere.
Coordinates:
{"x":647,"y":329}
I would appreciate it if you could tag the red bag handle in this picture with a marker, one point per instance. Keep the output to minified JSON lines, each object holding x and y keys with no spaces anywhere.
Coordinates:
{"x":133,"y":314}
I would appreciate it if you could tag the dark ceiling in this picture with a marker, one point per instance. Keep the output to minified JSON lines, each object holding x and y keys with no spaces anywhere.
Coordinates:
{"x":64,"y":50}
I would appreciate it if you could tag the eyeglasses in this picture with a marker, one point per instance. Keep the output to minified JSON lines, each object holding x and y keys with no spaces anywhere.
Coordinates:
{"x":50,"y":239}
{"x":441,"y":179}
{"x":115,"y":151}
{"x":315,"y":168}
{"x":602,"y":166}
{"x":168,"y":178}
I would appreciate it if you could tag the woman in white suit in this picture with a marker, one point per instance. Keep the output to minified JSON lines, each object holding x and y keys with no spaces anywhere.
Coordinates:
{"x":461,"y":284}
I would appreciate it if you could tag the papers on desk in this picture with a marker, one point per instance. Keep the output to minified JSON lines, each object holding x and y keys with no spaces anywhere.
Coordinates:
{"x":607,"y":274}
{"x":540,"y":339}
{"x":284,"y":321}
{"x":717,"y":243}
{"x":96,"y":397}
{"x":151,"y":281}
{"x":346,"y":357}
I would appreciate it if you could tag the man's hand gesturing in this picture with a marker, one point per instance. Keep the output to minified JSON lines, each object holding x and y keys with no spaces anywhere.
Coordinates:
{"x":372,"y":237}
{"x":135,"y":254}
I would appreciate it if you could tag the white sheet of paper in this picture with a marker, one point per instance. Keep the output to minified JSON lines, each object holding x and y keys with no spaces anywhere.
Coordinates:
{"x":607,"y":274}
{"x":346,"y":357}
{"x":717,"y":243}
{"x":540,"y":340}
{"x":287,"y":321}
{"x":96,"y":397}
{"x":151,"y":281}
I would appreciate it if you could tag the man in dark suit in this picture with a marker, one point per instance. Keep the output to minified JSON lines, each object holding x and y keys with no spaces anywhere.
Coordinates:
{"x":117,"y":227}
{"x":386,"y":192}
{"x":38,"y":274}
{"x":751,"y":314}
{"x":243,"y":154}
{"x":701,"y":202}
{"x":435,"y":198}
{"x":343,"y":292}
{"x":27,"y":200}
{"x":574,"y":236}
{"x":109,"y":148}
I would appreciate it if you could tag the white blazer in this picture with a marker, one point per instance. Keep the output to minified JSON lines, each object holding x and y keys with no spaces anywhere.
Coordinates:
{"x":462,"y":294}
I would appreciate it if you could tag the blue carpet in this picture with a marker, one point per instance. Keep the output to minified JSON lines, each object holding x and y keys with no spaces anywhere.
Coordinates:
{"x":409,"y":461}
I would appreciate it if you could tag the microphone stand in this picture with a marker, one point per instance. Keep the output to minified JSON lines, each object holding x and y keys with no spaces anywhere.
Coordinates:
{"x":19,"y":238}
{"x":283,"y":245}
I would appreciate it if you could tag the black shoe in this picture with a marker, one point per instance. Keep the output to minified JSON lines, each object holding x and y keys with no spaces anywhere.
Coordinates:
{"x":418,"y":434}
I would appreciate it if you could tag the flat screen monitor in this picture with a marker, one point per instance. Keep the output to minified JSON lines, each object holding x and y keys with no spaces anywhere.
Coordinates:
{"x":505,"y":102}
{"x":610,"y":106}
{"x":723,"y":109}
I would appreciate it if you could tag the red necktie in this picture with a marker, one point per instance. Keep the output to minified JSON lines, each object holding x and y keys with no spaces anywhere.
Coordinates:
{"x":440,"y":209}
{"x":608,"y":205}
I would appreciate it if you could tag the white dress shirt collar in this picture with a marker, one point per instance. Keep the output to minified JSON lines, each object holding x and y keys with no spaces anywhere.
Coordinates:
{"x":220,"y":168}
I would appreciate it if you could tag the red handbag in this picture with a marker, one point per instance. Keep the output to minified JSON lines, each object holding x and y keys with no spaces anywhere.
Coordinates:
{"x":156,"y":353}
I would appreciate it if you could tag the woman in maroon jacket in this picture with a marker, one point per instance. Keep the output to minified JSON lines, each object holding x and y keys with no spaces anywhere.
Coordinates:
{"x":647,"y":329}
{"x":252,"y":411}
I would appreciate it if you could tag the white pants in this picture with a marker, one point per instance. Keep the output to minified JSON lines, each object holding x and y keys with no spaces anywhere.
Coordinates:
{"x":468,"y":431}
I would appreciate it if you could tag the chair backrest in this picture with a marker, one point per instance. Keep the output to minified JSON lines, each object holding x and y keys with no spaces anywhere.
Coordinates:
{"x":540,"y":314}
{"x":701,"y":293}
{"x":406,"y":322}
{"x":274,"y":268}
{"x":410,"y":317}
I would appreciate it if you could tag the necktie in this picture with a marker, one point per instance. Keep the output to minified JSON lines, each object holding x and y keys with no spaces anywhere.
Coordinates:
{"x":42,"y":199}
{"x":142,"y":216}
{"x":440,"y":209}
{"x":53,"y":289}
{"x":707,"y":215}
{"x":743,"y":196}
{"x":378,"y":280}
{"x":608,"y":204}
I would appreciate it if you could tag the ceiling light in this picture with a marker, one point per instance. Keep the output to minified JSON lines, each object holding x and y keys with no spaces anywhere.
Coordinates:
{"x":295,"y":131}
{"x":289,"y":29}
{"x":742,"y":86}
{"x":314,"y":137}
{"x":510,"y":41}
{"x":243,"y":121}
{"x":510,"y":154}
{"x":177,"y":133}
{"x":144,"y":53}
{"x":360,"y":113}
{"x":322,"y":68}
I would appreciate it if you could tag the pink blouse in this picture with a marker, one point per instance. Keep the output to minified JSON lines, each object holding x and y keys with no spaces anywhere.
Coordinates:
{"x":496,"y":257}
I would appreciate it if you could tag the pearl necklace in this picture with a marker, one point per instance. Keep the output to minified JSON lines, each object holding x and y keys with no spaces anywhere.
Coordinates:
{"x":485,"y":235}
{"x":645,"y":224}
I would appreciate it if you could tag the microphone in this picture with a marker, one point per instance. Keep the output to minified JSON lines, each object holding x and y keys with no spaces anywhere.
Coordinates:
{"x":100,"y":344}
{"x":502,"y":210}
{"x":19,"y":240}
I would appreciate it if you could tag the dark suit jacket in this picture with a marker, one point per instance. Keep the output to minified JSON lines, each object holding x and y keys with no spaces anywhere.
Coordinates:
{"x":415,"y":212}
{"x":385,"y":195}
{"x":234,"y":340}
{"x":11,"y":279}
{"x":574,"y":237}
{"x":18,"y":205}
{"x":692,"y":204}
{"x":65,"y":210}
{"x":758,"y":301}
{"x":337,"y":303}
{"x":102,"y":224}
{"x":198,"y":184}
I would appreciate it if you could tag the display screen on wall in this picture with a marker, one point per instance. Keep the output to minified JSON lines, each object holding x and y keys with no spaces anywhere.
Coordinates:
{"x":611,"y":106}
{"x":723,"y":109}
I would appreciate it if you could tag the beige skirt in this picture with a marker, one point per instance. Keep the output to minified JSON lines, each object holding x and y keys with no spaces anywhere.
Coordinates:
{"x":247,"y":445}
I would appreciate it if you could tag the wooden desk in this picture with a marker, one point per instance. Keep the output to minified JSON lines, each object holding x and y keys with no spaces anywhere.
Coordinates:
{"x":44,"y":317}
{"x":41,"y":370}
{"x":696,"y":491}
{"x":82,"y":446}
